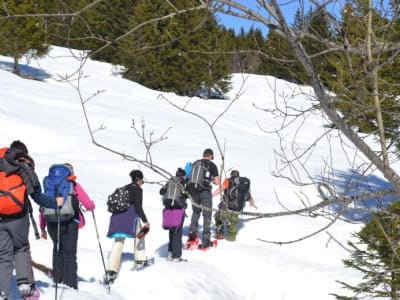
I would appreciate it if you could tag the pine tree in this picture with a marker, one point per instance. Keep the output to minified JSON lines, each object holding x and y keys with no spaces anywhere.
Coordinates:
{"x":376,"y":256}
{"x":21,"y":36}
{"x":181,"y":54}
{"x":352,"y":82}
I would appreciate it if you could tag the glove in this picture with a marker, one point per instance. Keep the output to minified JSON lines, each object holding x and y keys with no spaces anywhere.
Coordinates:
{"x":143,"y":231}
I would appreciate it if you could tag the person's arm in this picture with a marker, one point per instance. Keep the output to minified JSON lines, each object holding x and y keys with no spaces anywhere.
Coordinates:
{"x":252,"y":202}
{"x":222,"y":188}
{"x":138,"y":203}
{"x":83,"y":197}
{"x":42,"y":225}
{"x":163,"y":190}
{"x":214,"y":174}
{"x":44,"y":200}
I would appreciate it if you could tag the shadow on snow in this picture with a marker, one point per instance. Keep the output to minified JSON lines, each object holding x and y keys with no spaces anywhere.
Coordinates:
{"x":352,"y":184}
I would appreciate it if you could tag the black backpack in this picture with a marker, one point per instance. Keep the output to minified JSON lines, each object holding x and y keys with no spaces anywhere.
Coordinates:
{"x":238,"y":193}
{"x":118,"y":201}
{"x":199,"y":179}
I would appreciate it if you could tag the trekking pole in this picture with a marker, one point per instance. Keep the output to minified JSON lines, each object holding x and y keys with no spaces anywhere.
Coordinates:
{"x":57,"y":251}
{"x":101,"y":253}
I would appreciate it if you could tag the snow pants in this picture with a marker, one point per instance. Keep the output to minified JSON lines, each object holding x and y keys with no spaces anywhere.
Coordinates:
{"x":65,"y":266}
{"x":14,"y":251}
{"x":230,"y":220}
{"x":203,"y":198}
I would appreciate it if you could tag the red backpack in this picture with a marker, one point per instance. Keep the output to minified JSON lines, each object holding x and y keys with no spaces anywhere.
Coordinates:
{"x":12,"y":191}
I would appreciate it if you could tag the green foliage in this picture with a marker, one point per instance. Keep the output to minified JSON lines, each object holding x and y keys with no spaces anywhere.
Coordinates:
{"x":376,"y":256}
{"x":21,"y":36}
{"x":178,"y":54}
{"x":350,"y":77}
{"x":92,"y":29}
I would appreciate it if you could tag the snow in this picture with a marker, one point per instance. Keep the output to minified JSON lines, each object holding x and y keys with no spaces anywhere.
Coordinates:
{"x":47,"y":115}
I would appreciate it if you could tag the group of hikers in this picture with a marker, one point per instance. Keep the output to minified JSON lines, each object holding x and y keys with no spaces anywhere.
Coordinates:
{"x":61,"y":216}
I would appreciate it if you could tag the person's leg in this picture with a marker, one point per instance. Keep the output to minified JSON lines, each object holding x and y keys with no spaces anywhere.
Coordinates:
{"x":58,"y":255}
{"x":219,"y":224}
{"x":206,"y":201}
{"x":232,"y":229}
{"x":6,"y":260}
{"x":177,"y":242}
{"x":114,"y":258}
{"x":170,"y":237}
{"x":139,"y":249}
{"x":19,"y":231}
{"x":69,"y":245}
{"x":195,"y":217}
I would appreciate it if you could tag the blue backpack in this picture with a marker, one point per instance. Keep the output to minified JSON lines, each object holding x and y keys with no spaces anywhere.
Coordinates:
{"x":57,"y":184}
{"x":188,"y":168}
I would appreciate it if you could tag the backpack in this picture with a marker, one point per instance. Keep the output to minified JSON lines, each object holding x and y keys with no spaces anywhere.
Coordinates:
{"x":12,"y":190}
{"x":199,"y":179}
{"x":119,"y":200}
{"x":238,"y":193}
{"x":55,"y":184}
{"x":188,"y":168}
{"x":173,"y":193}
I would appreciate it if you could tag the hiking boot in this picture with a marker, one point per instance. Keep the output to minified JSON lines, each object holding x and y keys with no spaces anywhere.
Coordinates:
{"x":192,"y":236}
{"x":220,"y":236}
{"x":111,"y":276}
{"x":3,"y":296}
{"x":178,"y":259}
{"x":29,"y":291}
{"x":169,"y":257}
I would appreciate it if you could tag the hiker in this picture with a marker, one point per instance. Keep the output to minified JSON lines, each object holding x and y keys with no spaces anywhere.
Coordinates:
{"x":71,"y":219}
{"x":125,"y":224}
{"x":174,"y":200}
{"x":236,"y":191}
{"x":16,"y":164}
{"x":203,"y":172}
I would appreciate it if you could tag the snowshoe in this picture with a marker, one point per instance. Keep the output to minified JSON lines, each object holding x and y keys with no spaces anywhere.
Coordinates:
{"x":212,"y":244}
{"x":192,"y":242}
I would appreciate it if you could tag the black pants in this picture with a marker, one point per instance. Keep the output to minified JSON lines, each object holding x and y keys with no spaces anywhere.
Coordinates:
{"x":65,"y":266}
{"x":175,"y":240}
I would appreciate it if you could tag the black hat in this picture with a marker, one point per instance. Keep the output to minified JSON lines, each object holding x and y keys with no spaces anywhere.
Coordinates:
{"x":208,"y":151}
{"x":180,"y":172}
{"x":136,"y":175}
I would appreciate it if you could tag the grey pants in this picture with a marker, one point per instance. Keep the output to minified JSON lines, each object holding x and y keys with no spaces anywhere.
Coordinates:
{"x":14,"y":249}
{"x":203,"y":198}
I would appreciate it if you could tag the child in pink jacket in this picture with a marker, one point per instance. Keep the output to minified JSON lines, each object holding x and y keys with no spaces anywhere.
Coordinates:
{"x":64,"y":260}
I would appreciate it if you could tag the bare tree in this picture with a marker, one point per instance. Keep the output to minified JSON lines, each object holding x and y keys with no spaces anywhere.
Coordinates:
{"x":290,"y":160}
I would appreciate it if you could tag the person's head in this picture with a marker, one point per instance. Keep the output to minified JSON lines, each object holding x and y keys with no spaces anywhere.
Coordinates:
{"x":234,"y":173}
{"x":180,"y":173}
{"x":70,"y":167}
{"x":208,"y":154}
{"x":136,"y":176}
{"x":19,"y":146}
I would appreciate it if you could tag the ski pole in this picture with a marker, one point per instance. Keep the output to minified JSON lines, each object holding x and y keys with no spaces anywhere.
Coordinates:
{"x":57,"y":252}
{"x":101,"y":253}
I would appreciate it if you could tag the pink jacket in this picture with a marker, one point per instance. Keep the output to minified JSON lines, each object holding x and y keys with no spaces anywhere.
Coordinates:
{"x":83,"y":198}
